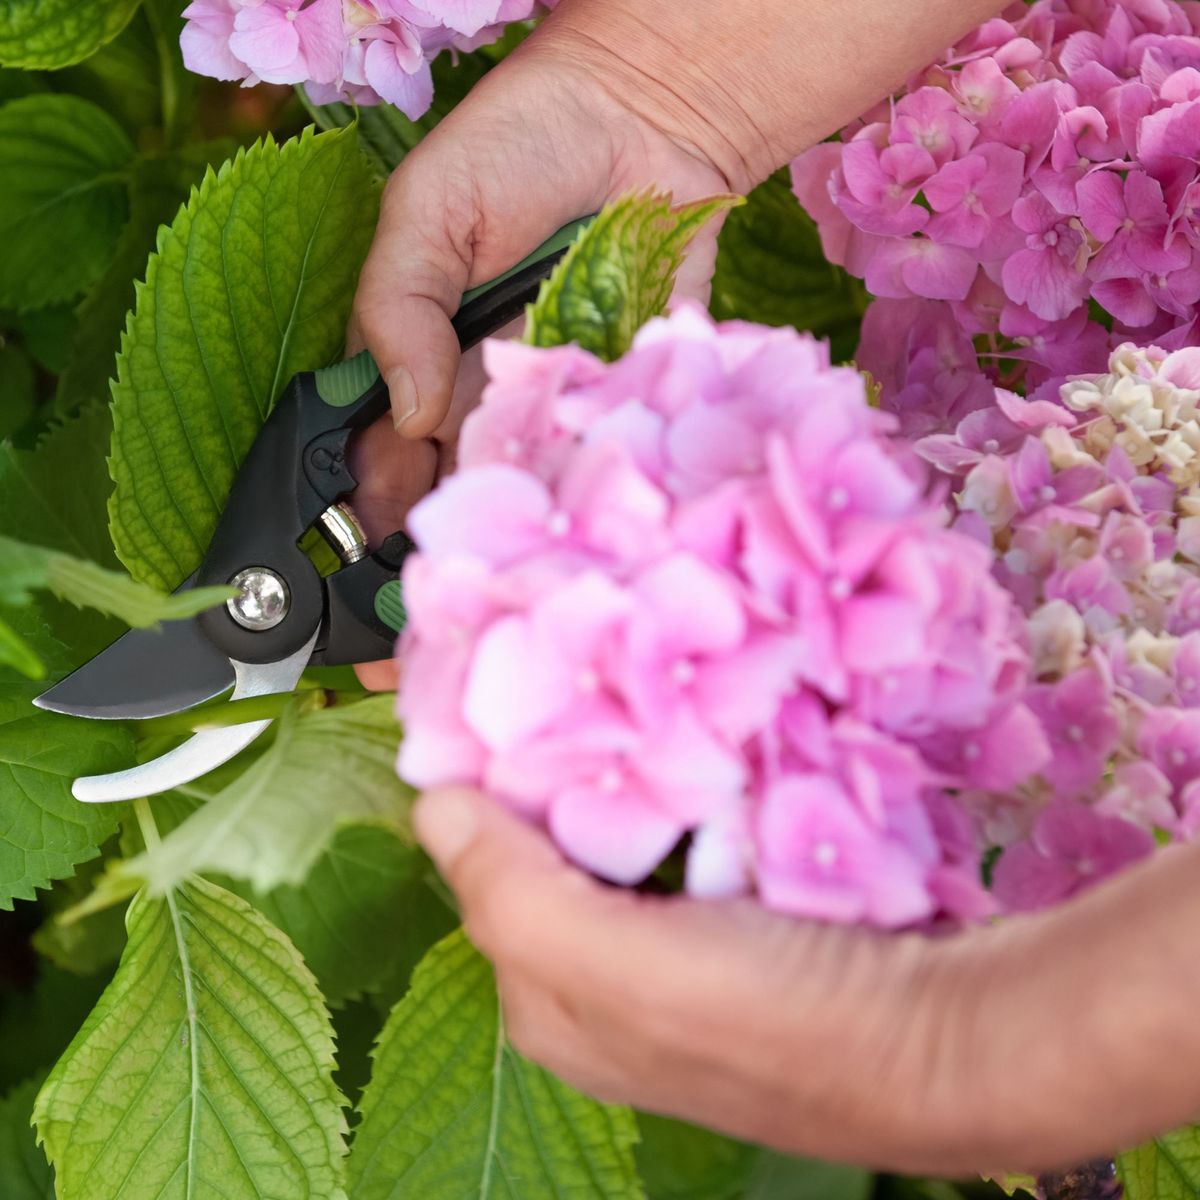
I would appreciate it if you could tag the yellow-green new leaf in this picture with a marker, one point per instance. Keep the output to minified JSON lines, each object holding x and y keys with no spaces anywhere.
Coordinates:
{"x":1167,"y":1168}
{"x":205,"y":1072}
{"x":324,"y":769}
{"x":251,"y":284}
{"x":619,"y":273}
{"x":24,"y":569}
{"x":17,"y":653}
{"x":453,"y":1111}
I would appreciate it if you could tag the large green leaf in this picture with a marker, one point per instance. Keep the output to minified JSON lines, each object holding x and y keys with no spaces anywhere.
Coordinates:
{"x":44,"y":831}
{"x":771,"y":269}
{"x":205,"y":1070}
{"x":252,"y":283}
{"x":24,"y":1172}
{"x":678,"y":1161}
{"x":158,"y":185}
{"x":618,"y":274}
{"x":452,"y":1111}
{"x":63,"y":202}
{"x":778,"y":1177}
{"x":270,"y":825}
{"x":54,"y":33}
{"x":1167,"y":1168}
{"x":350,"y":917}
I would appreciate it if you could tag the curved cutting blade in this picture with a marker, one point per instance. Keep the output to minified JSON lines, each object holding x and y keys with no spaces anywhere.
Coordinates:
{"x":204,"y":751}
{"x":145,"y":673}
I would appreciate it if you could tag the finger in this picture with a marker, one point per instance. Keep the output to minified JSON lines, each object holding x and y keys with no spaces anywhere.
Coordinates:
{"x":381,"y":676}
{"x":393,"y":474}
{"x":413,"y":281}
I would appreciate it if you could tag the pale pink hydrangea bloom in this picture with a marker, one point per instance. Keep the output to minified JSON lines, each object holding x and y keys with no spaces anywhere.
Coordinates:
{"x":1090,"y":510}
{"x":705,"y":592}
{"x":366,"y":51}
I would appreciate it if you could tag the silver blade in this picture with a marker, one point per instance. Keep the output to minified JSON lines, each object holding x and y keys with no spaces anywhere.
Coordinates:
{"x":145,"y":673}
{"x":205,"y":751}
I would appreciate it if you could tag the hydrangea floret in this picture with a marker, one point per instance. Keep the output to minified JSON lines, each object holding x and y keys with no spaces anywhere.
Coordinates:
{"x":365,"y":51}
{"x":704,"y":595}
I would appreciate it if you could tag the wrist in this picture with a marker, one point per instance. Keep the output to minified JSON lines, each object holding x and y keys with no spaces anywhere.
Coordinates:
{"x":648,"y":69}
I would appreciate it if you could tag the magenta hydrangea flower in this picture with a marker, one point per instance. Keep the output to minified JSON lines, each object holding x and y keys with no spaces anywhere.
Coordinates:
{"x":705,"y":593}
{"x":1046,"y":167}
{"x":365,"y":51}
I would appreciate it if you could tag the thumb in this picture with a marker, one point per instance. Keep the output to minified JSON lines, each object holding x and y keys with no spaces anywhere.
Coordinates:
{"x":411,"y":286}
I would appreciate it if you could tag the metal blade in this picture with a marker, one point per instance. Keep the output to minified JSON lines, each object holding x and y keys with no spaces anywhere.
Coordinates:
{"x":145,"y":673}
{"x":205,"y":751}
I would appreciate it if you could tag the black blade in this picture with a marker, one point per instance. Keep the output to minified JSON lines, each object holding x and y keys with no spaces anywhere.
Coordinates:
{"x":146,"y":673}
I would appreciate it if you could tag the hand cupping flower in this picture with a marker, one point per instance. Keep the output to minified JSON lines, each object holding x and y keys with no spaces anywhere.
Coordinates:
{"x":366,"y":51}
{"x":705,"y":592}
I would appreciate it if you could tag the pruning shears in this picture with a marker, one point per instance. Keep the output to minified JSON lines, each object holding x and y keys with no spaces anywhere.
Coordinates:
{"x":284,"y":616}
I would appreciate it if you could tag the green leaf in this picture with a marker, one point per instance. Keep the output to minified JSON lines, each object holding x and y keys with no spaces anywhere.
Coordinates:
{"x":453,"y":1111}
{"x":24,"y":1172}
{"x":618,"y":274}
{"x":17,"y":392}
{"x":24,"y":568}
{"x":325,"y":769}
{"x":158,"y":186}
{"x":778,"y":1177}
{"x":204,"y":1071}
{"x":349,"y":917}
{"x":46,"y":334}
{"x":678,"y":1161}
{"x":1167,"y":1168}
{"x":17,"y":653}
{"x":38,"y":1022}
{"x":771,"y":269}
{"x":46,"y":832}
{"x":251,"y":284}
{"x":46,"y":34}
{"x":63,"y":202}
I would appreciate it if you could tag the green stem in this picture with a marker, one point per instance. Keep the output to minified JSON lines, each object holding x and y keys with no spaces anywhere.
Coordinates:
{"x":146,"y":822}
{"x":168,"y":81}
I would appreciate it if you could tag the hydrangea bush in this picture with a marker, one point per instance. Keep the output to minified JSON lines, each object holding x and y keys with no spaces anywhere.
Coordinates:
{"x":910,"y":648}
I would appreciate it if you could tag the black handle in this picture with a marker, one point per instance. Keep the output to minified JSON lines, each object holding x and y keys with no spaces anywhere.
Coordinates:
{"x":297,"y":468}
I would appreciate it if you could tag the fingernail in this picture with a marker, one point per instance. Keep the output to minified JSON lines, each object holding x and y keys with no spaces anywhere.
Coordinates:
{"x":403,"y":392}
{"x":445,"y":824}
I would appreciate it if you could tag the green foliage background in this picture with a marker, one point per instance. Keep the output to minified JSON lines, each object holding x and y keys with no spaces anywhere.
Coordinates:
{"x":255,"y":986}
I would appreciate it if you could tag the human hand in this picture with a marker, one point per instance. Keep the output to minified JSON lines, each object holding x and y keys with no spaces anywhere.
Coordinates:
{"x":1043,"y":1042}
{"x":542,"y":140}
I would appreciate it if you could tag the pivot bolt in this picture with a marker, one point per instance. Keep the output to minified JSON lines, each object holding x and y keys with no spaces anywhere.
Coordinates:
{"x":262,"y":601}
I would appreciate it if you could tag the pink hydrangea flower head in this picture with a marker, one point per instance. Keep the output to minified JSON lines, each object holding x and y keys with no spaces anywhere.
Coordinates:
{"x":714,"y":600}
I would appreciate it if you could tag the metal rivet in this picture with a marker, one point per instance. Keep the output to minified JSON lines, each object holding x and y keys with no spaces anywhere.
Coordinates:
{"x":262,"y":601}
